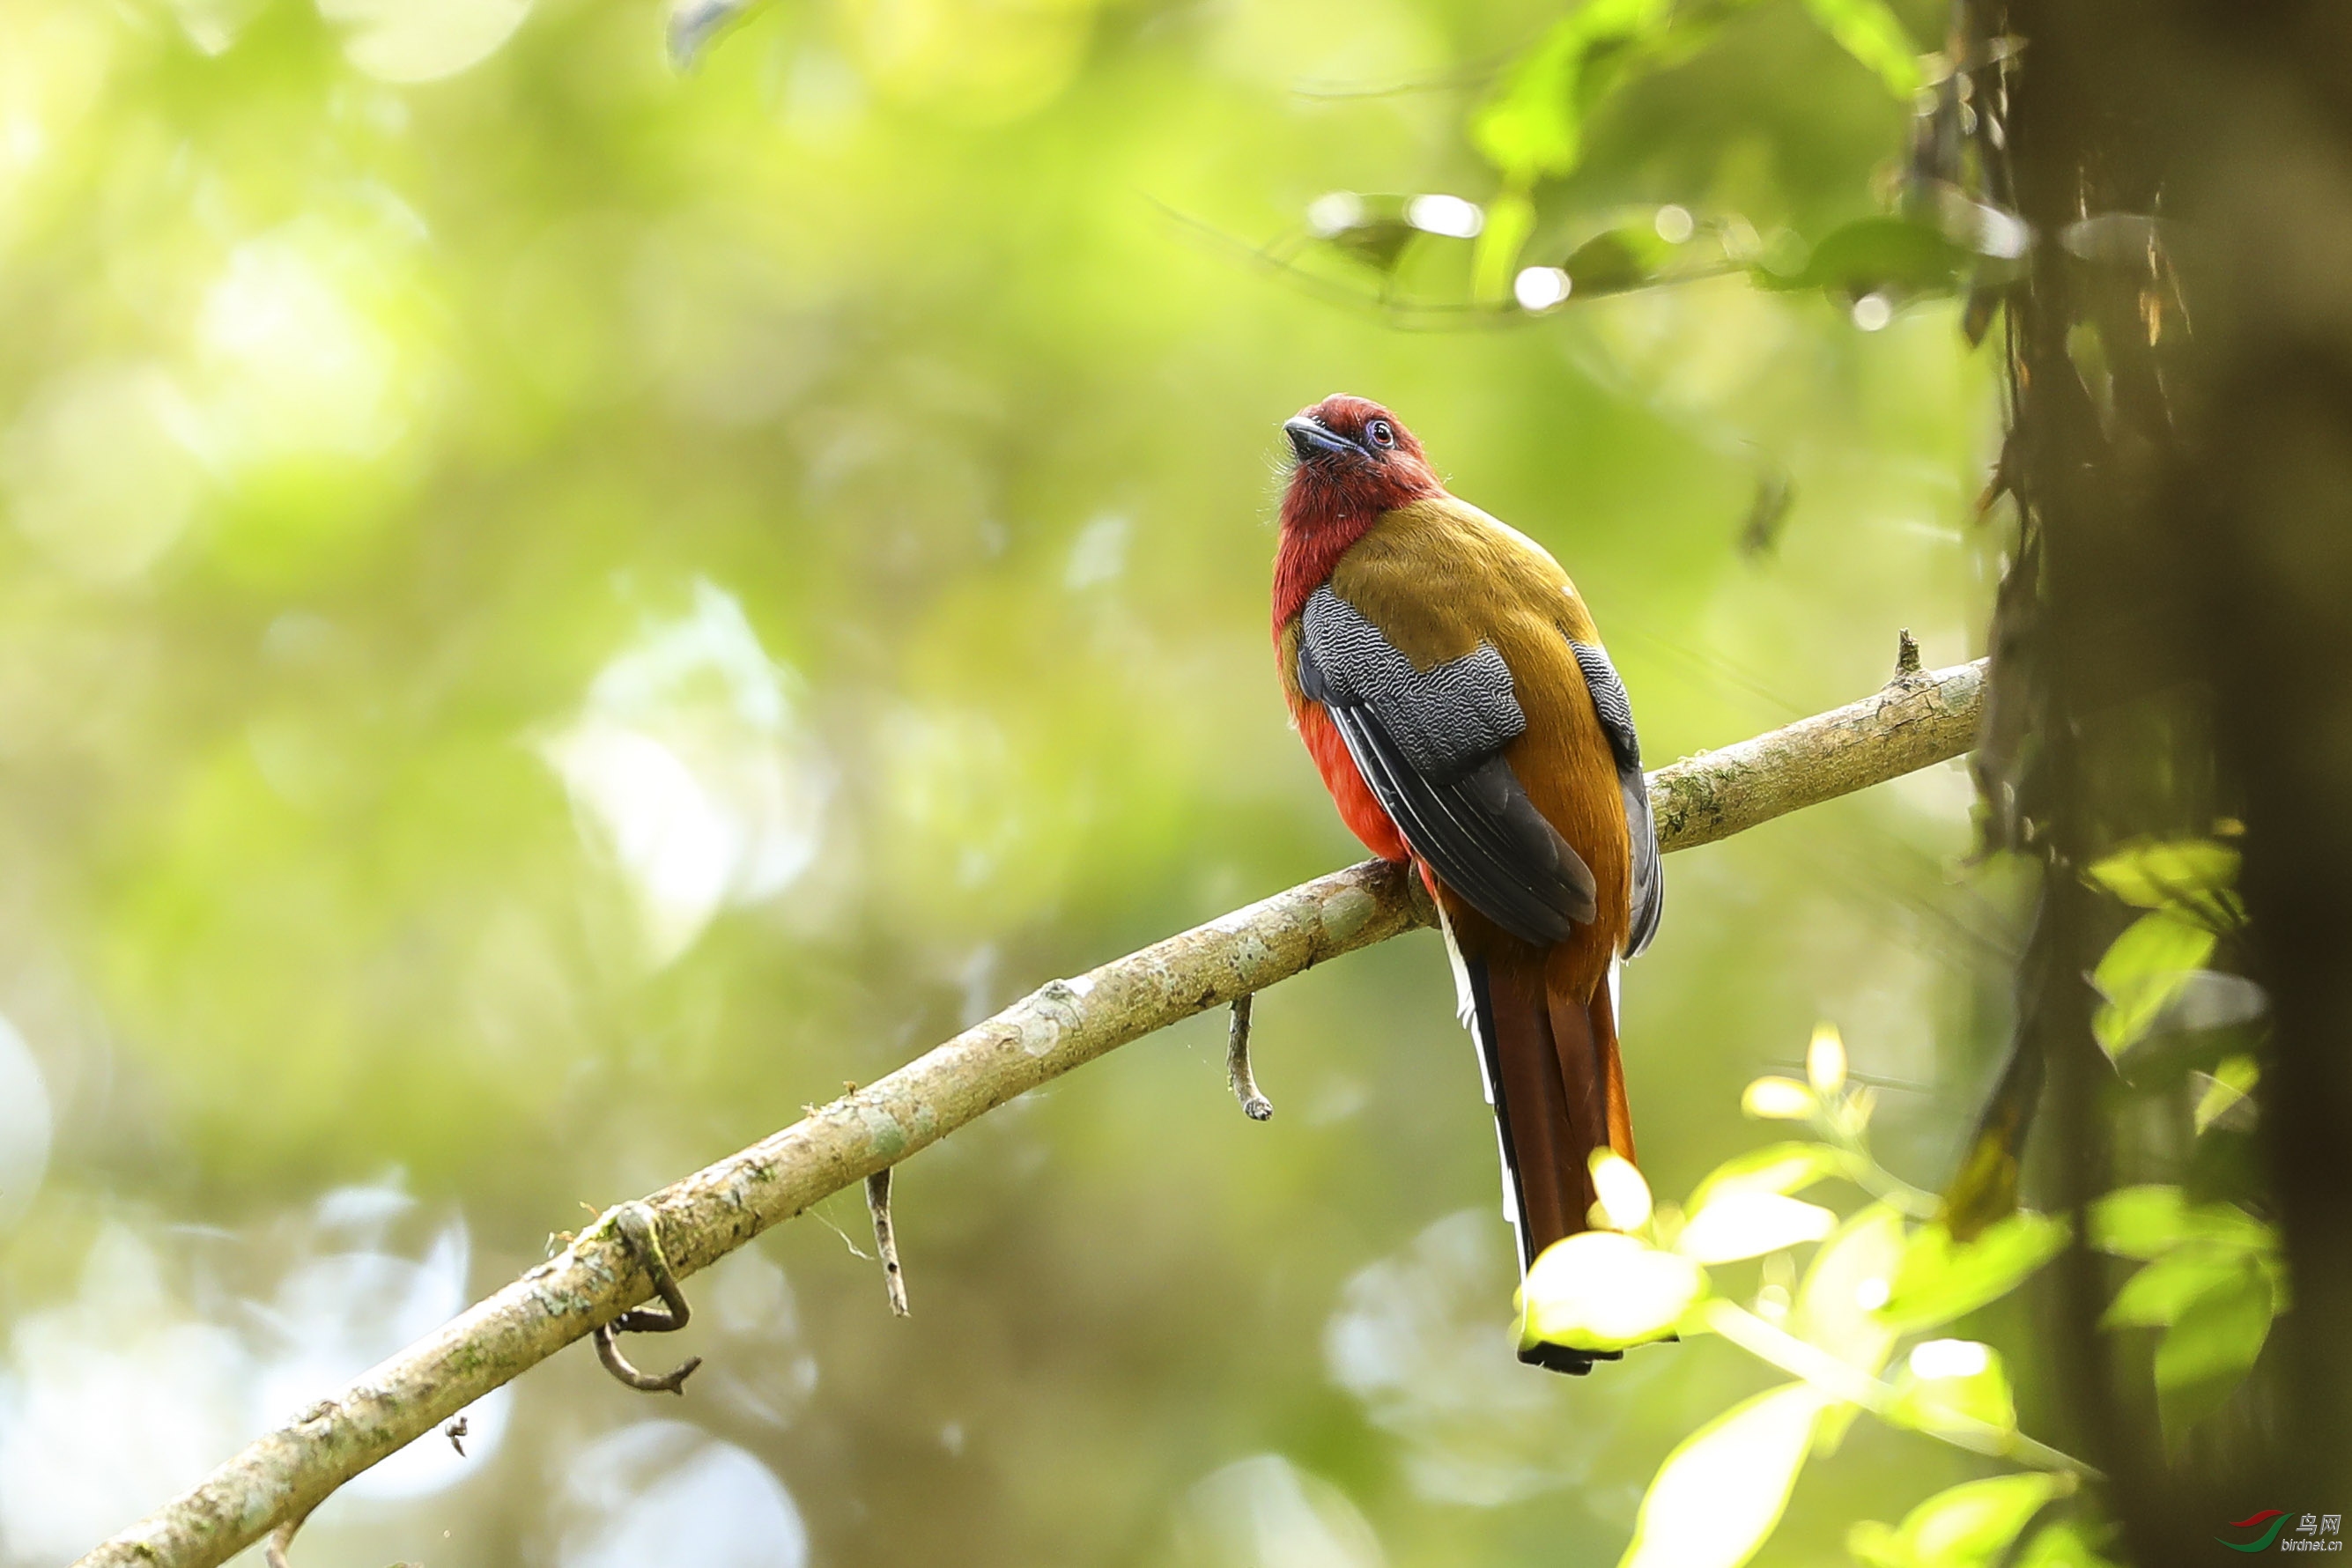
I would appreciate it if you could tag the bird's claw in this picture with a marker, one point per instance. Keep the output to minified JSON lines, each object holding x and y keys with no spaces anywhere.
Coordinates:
{"x":634,"y":1223}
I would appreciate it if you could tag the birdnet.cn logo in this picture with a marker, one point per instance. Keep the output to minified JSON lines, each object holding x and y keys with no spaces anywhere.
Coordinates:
{"x":2275,"y":1528}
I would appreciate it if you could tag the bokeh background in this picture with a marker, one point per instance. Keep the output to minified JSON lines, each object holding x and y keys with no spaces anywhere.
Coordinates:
{"x":554,"y":609}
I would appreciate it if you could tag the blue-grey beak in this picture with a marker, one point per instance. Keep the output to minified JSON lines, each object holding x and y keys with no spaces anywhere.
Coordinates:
{"x":1310,"y":438}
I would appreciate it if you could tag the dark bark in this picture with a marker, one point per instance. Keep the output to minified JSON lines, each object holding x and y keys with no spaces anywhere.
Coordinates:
{"x":2181,"y":458}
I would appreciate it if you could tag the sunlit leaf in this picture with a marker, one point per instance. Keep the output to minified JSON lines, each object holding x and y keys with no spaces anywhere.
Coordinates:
{"x":1510,"y":218}
{"x":2211,"y":1345}
{"x":2062,"y":1543}
{"x":2142,"y":971}
{"x":1941,"y":1279}
{"x":1967,"y":1526}
{"x":1779,"y":1099}
{"x":1599,"y":1290}
{"x":1775,"y":1168}
{"x":2214,"y":1000}
{"x":1870,"y":32}
{"x":2149,"y":1221}
{"x":1624,"y":1196}
{"x":2226,"y":1090}
{"x":1534,"y":125}
{"x":2156,"y":1296}
{"x":1740,"y":1221}
{"x":1723,"y":1489}
{"x":2154,"y":874}
{"x":1837,"y":1305}
{"x":1825,"y":1060}
{"x":1950,"y":1384}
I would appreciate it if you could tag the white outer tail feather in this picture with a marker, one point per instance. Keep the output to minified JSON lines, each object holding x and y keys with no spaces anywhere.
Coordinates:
{"x":1465,"y":1008}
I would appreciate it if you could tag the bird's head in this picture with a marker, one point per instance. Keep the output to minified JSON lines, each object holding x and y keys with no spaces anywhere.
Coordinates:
{"x":1353,"y":460}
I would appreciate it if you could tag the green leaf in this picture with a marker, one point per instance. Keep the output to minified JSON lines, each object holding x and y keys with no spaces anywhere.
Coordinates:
{"x":1378,"y":242}
{"x":2064,"y":1543}
{"x":1616,"y":260}
{"x":1967,"y":1526}
{"x":1873,"y":253}
{"x":1510,"y":218}
{"x":2147,"y":1222}
{"x":2156,"y":1297}
{"x":1868,"y":30}
{"x":1723,"y":1489}
{"x":2225,"y":1090}
{"x":1931,"y":1395}
{"x":2142,"y":970}
{"x":1740,"y":1221}
{"x":1836,"y":1305}
{"x":2155,"y":874}
{"x":1774,"y":1168}
{"x":1602,"y":1290}
{"x":1774,"y":1099}
{"x":1533,"y":128}
{"x":2212,"y":1346}
{"x":1941,"y":1279}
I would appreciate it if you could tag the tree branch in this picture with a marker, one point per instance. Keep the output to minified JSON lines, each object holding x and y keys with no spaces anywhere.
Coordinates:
{"x":1917,"y":719}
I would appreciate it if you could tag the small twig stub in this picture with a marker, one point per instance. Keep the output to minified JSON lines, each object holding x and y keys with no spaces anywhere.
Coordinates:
{"x":886,"y":1238}
{"x":1254,"y":1104}
{"x":274,"y":1549}
{"x":1907,"y":656}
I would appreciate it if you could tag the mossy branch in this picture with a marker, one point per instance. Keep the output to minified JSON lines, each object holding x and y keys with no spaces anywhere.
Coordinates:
{"x":1917,"y":719}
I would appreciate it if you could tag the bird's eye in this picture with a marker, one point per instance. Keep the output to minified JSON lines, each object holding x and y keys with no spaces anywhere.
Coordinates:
{"x":1382,"y":433}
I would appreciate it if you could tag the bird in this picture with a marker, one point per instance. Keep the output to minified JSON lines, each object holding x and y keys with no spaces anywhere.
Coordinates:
{"x":1454,"y":693}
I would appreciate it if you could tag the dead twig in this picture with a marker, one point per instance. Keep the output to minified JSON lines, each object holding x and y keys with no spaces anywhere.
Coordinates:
{"x":1254,"y":1104}
{"x":885,"y":1240}
{"x":273,"y":1551}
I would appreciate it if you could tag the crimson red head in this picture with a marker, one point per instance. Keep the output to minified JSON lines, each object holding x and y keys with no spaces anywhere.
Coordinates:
{"x":1353,"y":460}
{"x":1354,"y":456}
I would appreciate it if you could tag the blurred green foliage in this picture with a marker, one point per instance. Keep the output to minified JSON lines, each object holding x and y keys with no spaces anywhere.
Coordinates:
{"x":555,"y":610}
{"x":2212,"y":1283}
{"x":1874,"y":1281}
{"x":2212,"y":1280}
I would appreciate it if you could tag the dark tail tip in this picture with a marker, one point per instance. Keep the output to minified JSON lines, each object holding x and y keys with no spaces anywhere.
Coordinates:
{"x":1560,"y":1358}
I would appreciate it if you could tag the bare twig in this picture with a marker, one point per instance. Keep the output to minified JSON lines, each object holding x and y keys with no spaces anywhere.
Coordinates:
{"x":1254,"y":1104}
{"x":886,"y":1238}
{"x":1063,"y":1025}
{"x":281,"y":1540}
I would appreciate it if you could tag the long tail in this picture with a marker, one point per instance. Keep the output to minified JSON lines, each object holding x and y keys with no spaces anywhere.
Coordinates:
{"x":1559,"y":1092}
